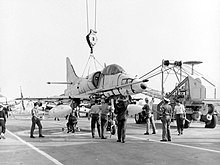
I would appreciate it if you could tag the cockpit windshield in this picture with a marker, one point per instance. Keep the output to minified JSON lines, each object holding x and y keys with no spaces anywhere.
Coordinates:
{"x":112,"y":69}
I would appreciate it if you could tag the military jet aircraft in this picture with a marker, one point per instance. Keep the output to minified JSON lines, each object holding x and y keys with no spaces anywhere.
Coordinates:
{"x":110,"y":82}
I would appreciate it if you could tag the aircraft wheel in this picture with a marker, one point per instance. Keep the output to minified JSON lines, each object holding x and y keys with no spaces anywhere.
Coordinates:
{"x":113,"y":130}
{"x":212,"y":123}
{"x":187,"y":123}
{"x":209,"y":117}
{"x":137,"y":118}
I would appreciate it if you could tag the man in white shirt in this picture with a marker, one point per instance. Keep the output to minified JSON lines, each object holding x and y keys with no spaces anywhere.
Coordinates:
{"x":94,"y":113}
{"x":180,"y":112}
{"x":36,"y":120}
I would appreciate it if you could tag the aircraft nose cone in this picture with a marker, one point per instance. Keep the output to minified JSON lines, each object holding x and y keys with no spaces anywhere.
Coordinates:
{"x":143,"y":86}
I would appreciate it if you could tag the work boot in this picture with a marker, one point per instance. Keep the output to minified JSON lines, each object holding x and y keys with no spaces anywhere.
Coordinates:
{"x":41,"y":136}
{"x":32,"y":136}
{"x":146,"y":133}
{"x":163,"y":140}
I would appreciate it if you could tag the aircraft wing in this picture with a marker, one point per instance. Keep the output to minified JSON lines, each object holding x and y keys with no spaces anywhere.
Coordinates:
{"x":45,"y":98}
{"x":55,"y":99}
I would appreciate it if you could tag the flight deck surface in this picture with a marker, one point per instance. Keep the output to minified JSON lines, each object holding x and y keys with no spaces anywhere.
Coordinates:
{"x":198,"y":145}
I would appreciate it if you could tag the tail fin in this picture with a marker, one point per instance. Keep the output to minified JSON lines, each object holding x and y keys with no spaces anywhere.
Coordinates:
{"x":71,"y":74}
{"x":22,"y":99}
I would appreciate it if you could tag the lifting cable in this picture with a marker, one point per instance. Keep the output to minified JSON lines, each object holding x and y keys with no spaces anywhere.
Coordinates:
{"x":91,"y":36}
{"x":94,"y":60}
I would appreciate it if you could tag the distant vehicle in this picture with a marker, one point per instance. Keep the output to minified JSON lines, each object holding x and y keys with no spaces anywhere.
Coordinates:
{"x":191,"y":92}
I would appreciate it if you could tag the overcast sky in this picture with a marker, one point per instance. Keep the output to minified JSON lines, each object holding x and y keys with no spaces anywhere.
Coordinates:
{"x":37,"y":35}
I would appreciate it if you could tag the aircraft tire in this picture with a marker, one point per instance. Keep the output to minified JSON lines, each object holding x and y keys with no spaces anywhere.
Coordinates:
{"x":137,"y":118}
{"x":113,"y":130}
{"x":212,"y":123}
{"x":186,"y":124}
{"x":188,"y":121}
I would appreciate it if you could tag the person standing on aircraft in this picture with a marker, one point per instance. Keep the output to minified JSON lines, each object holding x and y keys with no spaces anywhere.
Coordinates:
{"x":179,"y":111}
{"x":166,"y":110}
{"x":105,"y":109}
{"x":36,"y":120}
{"x":149,"y":118}
{"x":2,"y":122}
{"x":94,"y":113}
{"x":122,"y":114}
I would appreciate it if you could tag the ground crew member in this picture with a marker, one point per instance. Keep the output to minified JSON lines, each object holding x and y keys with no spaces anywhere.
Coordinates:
{"x":71,"y":124}
{"x":149,"y":118}
{"x":166,"y":110}
{"x":94,"y":113}
{"x":6,"y":109}
{"x":122,"y":115}
{"x":2,"y":122}
{"x":105,"y":110}
{"x":36,"y":120}
{"x":180,"y":112}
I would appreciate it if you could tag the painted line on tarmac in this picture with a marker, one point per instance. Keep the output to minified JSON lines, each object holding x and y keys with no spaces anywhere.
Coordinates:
{"x":36,"y":149}
{"x":175,"y":144}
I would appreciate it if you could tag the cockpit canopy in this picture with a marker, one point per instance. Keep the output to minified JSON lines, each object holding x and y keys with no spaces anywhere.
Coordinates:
{"x":112,"y":69}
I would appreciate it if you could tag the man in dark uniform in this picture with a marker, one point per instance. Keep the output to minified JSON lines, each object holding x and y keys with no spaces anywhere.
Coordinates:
{"x":2,"y":122}
{"x":72,"y":122}
{"x":122,"y":115}
{"x":166,"y":110}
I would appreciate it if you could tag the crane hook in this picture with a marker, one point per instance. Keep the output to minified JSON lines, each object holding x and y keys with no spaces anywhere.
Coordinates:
{"x":91,"y":39}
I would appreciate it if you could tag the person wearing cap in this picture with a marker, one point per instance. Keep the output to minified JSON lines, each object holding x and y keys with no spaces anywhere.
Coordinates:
{"x":122,"y":114}
{"x":35,"y":120}
{"x":166,"y":111}
{"x":149,"y":117}
{"x":179,"y":111}
{"x":2,"y":122}
{"x":94,"y":113}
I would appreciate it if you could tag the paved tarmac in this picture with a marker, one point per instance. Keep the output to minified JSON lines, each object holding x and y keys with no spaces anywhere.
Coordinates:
{"x":197,"y":145}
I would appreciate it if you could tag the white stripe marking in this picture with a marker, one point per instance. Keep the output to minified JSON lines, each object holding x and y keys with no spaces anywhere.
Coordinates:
{"x":176,"y":144}
{"x":37,"y":149}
